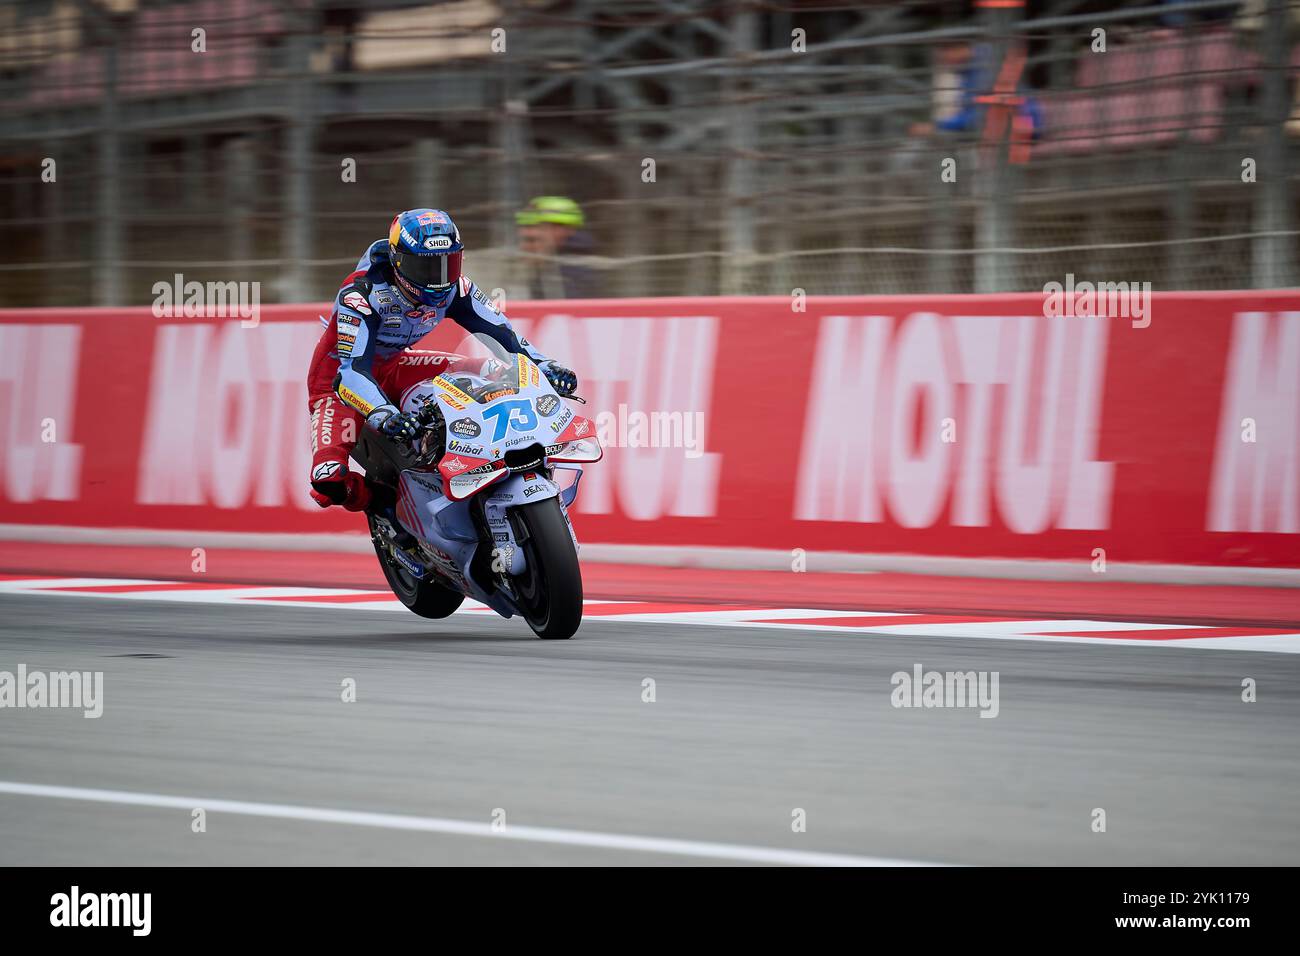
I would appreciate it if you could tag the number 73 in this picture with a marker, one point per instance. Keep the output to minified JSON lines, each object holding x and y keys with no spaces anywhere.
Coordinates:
{"x":511,"y":416}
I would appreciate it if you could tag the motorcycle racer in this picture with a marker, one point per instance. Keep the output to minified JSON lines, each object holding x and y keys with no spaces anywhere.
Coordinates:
{"x":402,"y":288}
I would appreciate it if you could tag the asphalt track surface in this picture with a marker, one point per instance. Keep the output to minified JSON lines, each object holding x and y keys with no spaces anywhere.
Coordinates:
{"x":458,"y":719}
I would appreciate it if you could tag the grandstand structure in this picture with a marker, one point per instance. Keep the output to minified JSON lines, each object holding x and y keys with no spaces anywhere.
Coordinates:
{"x":716,"y":147}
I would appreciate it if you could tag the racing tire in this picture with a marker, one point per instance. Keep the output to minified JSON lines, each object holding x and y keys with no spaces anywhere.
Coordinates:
{"x":425,"y":598}
{"x":550,"y":589}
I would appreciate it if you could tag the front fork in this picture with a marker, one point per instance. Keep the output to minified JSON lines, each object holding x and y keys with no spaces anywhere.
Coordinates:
{"x":507,"y":544}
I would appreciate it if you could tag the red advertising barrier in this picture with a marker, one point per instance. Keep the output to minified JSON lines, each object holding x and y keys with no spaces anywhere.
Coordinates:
{"x":970,"y":426}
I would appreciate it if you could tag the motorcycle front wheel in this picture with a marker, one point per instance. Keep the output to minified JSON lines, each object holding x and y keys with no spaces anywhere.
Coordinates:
{"x":550,"y":589}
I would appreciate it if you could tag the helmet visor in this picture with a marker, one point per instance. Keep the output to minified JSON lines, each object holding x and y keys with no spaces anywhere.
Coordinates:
{"x":435,"y":272}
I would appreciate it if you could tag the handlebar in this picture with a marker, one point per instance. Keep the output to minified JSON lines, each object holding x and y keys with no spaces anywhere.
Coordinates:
{"x":428,"y":412}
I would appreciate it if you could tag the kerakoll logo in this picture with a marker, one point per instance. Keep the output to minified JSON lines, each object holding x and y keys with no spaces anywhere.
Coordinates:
{"x":103,"y":909}
{"x":37,"y":689}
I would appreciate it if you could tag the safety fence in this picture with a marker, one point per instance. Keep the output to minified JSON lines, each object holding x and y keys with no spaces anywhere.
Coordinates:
{"x":740,"y":148}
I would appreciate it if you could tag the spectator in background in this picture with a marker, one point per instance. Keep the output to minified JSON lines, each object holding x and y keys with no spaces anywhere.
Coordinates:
{"x":968,"y":65}
{"x":1251,"y":18}
{"x":551,"y":234}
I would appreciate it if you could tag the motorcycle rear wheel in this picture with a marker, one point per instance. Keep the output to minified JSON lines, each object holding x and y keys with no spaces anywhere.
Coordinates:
{"x":425,"y":598}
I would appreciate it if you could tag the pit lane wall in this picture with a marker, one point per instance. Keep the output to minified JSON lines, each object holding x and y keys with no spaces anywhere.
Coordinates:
{"x":959,"y":426}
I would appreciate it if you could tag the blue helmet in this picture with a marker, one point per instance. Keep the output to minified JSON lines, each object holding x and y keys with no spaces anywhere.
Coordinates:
{"x":425,"y":249}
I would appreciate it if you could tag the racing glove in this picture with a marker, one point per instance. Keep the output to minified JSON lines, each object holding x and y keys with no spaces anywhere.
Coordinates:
{"x":334,"y":487}
{"x":387,"y":420}
{"x":563,"y":380}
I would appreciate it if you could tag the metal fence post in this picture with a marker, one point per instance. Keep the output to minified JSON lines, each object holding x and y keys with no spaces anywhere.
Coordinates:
{"x":296,"y":226}
{"x":426,"y":175}
{"x":740,"y":164}
{"x":941,"y":226}
{"x":995,"y":223}
{"x":237,"y":179}
{"x":53,"y":207}
{"x":108,"y":206}
{"x":1273,"y":256}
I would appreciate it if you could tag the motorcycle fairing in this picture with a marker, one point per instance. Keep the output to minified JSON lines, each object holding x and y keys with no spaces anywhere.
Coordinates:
{"x":517,"y":408}
{"x":516,"y":490}
{"x":448,"y":538}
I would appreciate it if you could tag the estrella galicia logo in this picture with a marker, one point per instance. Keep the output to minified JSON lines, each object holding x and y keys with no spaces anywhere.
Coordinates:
{"x":465,"y":428}
{"x":546,"y":405}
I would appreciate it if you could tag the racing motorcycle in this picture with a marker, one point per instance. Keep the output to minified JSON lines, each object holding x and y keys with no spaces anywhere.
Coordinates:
{"x":476,"y":505}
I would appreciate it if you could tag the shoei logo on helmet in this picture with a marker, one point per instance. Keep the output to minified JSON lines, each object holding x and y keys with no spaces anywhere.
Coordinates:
{"x":437,"y":242}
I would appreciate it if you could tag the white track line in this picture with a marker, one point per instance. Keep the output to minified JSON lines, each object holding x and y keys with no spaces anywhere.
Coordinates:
{"x":260,"y":594}
{"x":393,"y":821}
{"x":807,"y":620}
